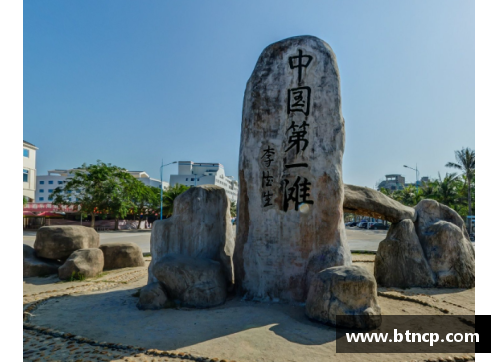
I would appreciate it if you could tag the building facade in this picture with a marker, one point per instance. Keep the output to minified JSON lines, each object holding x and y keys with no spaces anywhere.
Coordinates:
{"x":149,"y":181}
{"x":396,"y":182}
{"x":29,"y":170}
{"x":197,"y":174}
{"x":45,"y":184}
{"x":392,"y":182}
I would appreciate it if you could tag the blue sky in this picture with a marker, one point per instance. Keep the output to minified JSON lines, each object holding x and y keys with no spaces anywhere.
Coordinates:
{"x":131,"y":82}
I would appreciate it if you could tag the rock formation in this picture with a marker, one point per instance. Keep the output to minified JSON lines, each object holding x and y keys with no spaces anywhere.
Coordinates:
{"x":83,"y":263}
{"x":152,"y":297}
{"x":400,"y":261}
{"x":192,"y":251}
{"x":344,"y":296}
{"x":200,"y":227}
{"x":433,"y":251}
{"x":290,"y":171}
{"x":37,"y":267}
{"x":121,"y":255}
{"x":194,"y":282}
{"x":369,"y":202}
{"x":58,"y":242}
{"x":446,"y":244}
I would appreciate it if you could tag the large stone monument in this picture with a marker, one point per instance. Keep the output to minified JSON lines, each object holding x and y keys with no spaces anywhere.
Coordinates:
{"x":290,"y":217}
{"x":192,"y":252}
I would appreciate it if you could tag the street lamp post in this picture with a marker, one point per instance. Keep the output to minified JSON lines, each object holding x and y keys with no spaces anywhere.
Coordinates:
{"x":161,"y":186}
{"x":416,"y":174}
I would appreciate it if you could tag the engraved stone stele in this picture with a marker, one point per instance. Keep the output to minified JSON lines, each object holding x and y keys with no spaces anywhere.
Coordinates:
{"x":290,"y":216}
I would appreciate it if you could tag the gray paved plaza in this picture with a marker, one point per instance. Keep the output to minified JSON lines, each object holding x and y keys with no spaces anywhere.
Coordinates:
{"x":358,"y":239}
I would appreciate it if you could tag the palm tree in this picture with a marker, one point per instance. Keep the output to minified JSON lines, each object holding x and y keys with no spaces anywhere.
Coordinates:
{"x":466,"y":162}
{"x":447,"y":190}
{"x":169,"y":197}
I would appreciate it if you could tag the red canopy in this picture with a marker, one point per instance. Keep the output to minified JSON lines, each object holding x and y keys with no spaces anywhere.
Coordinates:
{"x":28,"y":213}
{"x":49,"y":214}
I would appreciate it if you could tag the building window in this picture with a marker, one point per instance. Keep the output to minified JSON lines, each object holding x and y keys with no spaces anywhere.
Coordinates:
{"x":51,"y":182}
{"x":42,"y":182}
{"x":50,"y":198}
{"x":51,"y":190}
{"x":192,"y":179}
{"x":25,"y":175}
{"x":26,"y":153}
{"x":59,"y":182}
{"x":187,"y":179}
{"x":40,"y":199}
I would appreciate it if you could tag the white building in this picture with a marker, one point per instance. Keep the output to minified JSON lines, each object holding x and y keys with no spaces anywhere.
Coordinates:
{"x":45,"y":184}
{"x":196,"y":174}
{"x":29,"y":170}
{"x":144,"y":177}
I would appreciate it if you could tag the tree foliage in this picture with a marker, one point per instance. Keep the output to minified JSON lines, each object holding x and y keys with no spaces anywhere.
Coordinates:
{"x":234,"y":208}
{"x":169,"y":197}
{"x":453,"y":190}
{"x":96,"y":189}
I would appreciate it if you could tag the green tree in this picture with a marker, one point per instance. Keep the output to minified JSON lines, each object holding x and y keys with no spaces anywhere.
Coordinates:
{"x":96,"y":189}
{"x":169,"y":197}
{"x":234,"y":208}
{"x":145,"y":199}
{"x":121,"y":189}
{"x":446,"y":190}
{"x":466,"y":162}
{"x":408,"y":196}
{"x":25,"y":201}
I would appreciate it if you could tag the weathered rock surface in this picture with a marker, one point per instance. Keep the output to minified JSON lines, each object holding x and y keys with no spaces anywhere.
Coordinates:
{"x":450,"y":255}
{"x":122,"y":255}
{"x":400,"y":261}
{"x":290,"y":171}
{"x":152,"y":297}
{"x":431,"y":211}
{"x":369,"y":202}
{"x":446,"y":244}
{"x":87,"y":263}
{"x":345,"y":296}
{"x":200,"y":227}
{"x":37,"y":267}
{"x":58,"y":242}
{"x":195,"y":282}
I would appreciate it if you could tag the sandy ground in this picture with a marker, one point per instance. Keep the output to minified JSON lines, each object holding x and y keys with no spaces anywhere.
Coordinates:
{"x":241,"y":331}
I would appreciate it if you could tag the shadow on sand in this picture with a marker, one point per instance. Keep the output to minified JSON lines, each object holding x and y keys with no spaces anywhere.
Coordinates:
{"x":113,"y":317}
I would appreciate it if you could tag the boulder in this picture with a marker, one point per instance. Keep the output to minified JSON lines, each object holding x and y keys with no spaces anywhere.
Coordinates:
{"x":58,"y":242}
{"x":195,"y":282}
{"x":200,"y":228}
{"x":344,"y":296}
{"x":446,"y":245}
{"x":369,"y":202}
{"x":450,"y":255}
{"x":152,"y":297}
{"x":400,"y":261}
{"x":431,"y":211}
{"x":37,"y":267}
{"x":86,"y":263}
{"x":122,"y":255}
{"x":290,"y":171}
